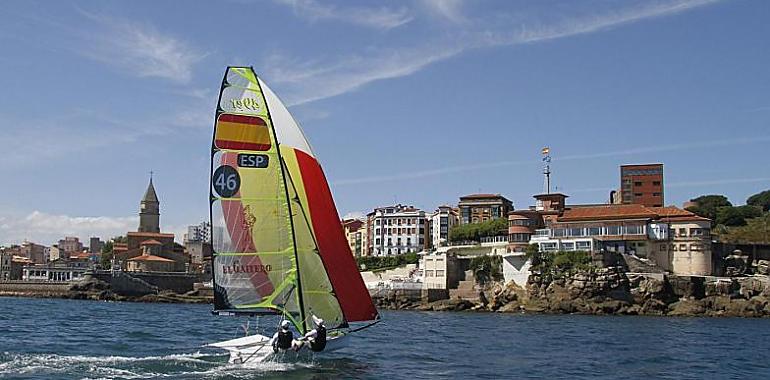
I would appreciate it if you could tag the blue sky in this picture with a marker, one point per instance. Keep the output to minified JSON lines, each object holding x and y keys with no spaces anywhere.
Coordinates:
{"x":416,"y":102}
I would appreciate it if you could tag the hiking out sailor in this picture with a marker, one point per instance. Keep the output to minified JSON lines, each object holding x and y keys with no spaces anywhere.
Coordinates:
{"x":315,"y":338}
{"x":283,"y":339}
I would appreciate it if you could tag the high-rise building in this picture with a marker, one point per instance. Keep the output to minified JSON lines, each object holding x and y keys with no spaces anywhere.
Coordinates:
{"x":200,"y":232}
{"x":442,"y":220}
{"x":70,"y":244}
{"x":642,"y":184}
{"x":95,"y":245}
{"x":395,"y":230}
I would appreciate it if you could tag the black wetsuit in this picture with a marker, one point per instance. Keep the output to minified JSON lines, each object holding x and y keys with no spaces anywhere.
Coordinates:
{"x":284,"y":340}
{"x":319,"y":342}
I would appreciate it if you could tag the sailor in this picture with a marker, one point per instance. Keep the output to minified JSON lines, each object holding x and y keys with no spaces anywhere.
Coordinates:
{"x":315,"y":338}
{"x":283,"y":339}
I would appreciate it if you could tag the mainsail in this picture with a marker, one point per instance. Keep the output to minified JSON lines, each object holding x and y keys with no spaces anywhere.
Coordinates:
{"x":277,"y":238}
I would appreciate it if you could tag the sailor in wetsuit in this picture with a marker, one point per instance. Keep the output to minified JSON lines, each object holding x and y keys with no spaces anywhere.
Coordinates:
{"x":315,"y":338}
{"x":283,"y":338}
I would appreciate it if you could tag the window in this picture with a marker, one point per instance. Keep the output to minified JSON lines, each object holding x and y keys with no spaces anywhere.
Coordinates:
{"x":634,"y":230}
{"x":594,"y":231}
{"x":548,"y":247}
{"x":576,"y":232}
{"x":583,"y":245}
{"x":696,"y":232}
{"x":638,"y":183}
{"x":428,"y":273}
{"x":377,"y":222}
{"x":439,"y":273}
{"x":568,"y":246}
{"x":377,"y":241}
{"x":560,"y":232}
{"x":656,"y":183}
{"x":682,"y":232}
{"x":662,"y":247}
{"x":439,"y":260}
{"x":637,"y":194}
{"x":655,"y":194}
{"x":613,"y":230}
{"x":682,"y":247}
{"x":696,"y":247}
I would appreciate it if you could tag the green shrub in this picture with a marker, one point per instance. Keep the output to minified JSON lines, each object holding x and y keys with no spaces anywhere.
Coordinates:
{"x":380,"y":262}
{"x":476,"y":231}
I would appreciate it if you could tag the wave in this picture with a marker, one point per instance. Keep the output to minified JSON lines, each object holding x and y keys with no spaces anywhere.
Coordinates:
{"x":195,"y":364}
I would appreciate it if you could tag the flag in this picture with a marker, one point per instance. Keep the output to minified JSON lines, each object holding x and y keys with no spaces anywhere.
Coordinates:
{"x":242,"y":132}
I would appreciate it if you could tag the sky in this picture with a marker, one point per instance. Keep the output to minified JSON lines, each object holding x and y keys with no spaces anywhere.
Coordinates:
{"x":416,"y":102}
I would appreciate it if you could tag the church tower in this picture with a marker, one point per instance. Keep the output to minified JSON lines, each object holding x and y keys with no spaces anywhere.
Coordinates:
{"x":149,"y":212}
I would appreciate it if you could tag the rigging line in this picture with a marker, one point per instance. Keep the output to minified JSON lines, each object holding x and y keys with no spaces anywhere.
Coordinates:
{"x":211,"y":176}
{"x":288,"y":201}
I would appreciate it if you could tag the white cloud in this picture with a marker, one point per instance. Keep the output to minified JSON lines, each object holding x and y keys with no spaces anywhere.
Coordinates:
{"x":355,"y":215}
{"x":140,"y":49}
{"x":308,"y":81}
{"x":451,"y":10}
{"x":379,"y":18}
{"x":46,"y":229}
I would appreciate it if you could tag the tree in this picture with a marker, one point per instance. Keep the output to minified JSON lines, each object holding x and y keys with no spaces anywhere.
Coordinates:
{"x":707,"y":205}
{"x":756,"y":230}
{"x":761,"y":200}
{"x":476,"y":231}
{"x":107,"y":255}
{"x":736,"y":216}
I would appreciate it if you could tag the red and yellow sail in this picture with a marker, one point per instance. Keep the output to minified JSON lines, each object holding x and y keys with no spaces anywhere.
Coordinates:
{"x":278,"y":243}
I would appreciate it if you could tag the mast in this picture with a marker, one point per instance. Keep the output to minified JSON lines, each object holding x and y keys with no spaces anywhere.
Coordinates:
{"x":284,"y":173}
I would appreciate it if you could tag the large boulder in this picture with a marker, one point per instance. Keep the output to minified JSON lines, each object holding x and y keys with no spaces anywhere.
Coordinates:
{"x":687,"y":308}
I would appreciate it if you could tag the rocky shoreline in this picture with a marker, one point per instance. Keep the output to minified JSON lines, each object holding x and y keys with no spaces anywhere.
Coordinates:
{"x":611,"y":291}
{"x":101,"y":291}
{"x":603,"y":291}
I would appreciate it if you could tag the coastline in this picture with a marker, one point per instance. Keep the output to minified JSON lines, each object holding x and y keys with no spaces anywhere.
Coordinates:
{"x":607,"y":291}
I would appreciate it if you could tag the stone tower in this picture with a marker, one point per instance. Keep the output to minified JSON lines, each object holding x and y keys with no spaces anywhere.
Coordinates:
{"x":149,"y":211}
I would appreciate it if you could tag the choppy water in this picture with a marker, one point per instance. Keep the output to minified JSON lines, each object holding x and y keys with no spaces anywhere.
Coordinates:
{"x":67,"y":339}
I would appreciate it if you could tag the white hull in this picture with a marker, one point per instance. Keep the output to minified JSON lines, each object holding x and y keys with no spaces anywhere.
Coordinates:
{"x":256,"y":348}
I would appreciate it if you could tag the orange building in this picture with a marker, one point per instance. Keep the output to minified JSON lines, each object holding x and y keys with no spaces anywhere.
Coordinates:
{"x":642,"y":184}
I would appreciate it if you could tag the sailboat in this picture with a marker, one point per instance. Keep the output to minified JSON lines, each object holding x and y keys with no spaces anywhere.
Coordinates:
{"x":278,"y":245}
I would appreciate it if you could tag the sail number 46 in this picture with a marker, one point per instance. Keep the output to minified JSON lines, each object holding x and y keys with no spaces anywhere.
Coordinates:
{"x":226,"y":181}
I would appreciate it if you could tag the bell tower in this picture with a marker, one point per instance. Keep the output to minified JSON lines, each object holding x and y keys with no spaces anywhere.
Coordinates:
{"x":149,"y":210}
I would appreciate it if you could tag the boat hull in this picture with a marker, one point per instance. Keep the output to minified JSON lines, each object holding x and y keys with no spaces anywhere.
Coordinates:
{"x":256,"y":349}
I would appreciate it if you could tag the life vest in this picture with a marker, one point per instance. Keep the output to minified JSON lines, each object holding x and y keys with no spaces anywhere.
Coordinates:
{"x":284,"y":340}
{"x":319,"y":343}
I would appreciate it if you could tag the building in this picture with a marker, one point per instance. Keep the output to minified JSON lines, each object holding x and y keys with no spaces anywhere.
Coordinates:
{"x":642,"y":184}
{"x":6,"y":266}
{"x":95,"y":245}
{"x":70,"y":244}
{"x":677,"y":240}
{"x":149,"y":213}
{"x":148,"y":235}
{"x":357,"y":235}
{"x":522,"y":225}
{"x":441,"y":221}
{"x":35,"y":253}
{"x":201,"y":232}
{"x":439,"y":271}
{"x":397,"y":229}
{"x":477,"y":208}
{"x":53,"y":272}
{"x":54,"y":253}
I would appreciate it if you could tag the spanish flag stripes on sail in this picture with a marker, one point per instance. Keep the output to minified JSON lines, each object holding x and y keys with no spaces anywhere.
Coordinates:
{"x":242,"y":132}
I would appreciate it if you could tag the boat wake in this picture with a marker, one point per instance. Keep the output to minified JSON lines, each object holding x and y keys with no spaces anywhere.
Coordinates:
{"x":184,"y":366}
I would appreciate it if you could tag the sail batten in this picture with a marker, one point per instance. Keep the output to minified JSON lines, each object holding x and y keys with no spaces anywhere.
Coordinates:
{"x":278,"y":243}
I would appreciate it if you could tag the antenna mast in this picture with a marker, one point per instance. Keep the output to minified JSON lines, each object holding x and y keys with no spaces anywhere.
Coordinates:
{"x":547,"y":169}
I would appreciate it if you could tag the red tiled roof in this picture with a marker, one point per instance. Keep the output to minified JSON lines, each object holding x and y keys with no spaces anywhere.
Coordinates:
{"x":632,"y":211}
{"x":151,"y":242}
{"x":151,"y":258}
{"x":672,"y":213}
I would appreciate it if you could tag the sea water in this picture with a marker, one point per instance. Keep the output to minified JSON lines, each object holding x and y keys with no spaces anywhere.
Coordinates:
{"x":69,"y":339}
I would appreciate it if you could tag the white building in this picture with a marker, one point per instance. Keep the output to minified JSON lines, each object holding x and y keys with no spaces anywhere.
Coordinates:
{"x":201,"y":232}
{"x":442,"y":220}
{"x":395,"y":230}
